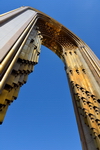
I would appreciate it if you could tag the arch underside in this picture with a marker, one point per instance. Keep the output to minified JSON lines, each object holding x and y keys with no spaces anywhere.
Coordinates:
{"x":60,"y":40}
{"x":54,"y":37}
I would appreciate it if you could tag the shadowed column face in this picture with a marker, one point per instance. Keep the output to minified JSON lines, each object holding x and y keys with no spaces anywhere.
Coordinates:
{"x":22,"y":33}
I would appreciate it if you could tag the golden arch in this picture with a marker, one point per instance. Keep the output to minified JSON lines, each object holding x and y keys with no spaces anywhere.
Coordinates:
{"x":81,"y":65}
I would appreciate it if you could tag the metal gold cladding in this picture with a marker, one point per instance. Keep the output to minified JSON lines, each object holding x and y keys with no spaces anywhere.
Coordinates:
{"x":85,"y":94}
{"x":82,"y":68}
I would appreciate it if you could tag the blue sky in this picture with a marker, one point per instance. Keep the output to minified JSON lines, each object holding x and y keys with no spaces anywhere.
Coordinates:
{"x":42,"y":118}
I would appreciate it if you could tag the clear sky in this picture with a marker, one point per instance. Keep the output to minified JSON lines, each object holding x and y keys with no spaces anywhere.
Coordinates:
{"x":42,"y":118}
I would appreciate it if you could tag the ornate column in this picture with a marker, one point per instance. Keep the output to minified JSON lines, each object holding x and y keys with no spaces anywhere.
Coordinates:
{"x":84,"y":86}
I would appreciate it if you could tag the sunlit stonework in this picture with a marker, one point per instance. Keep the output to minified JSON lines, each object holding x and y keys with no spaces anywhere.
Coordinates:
{"x":22,"y":31}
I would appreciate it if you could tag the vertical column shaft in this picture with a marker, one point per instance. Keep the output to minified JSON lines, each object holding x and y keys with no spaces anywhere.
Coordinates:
{"x":84,"y":90}
{"x":23,"y":65}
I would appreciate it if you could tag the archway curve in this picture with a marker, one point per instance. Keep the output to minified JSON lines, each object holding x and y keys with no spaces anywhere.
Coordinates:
{"x":60,"y":34}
